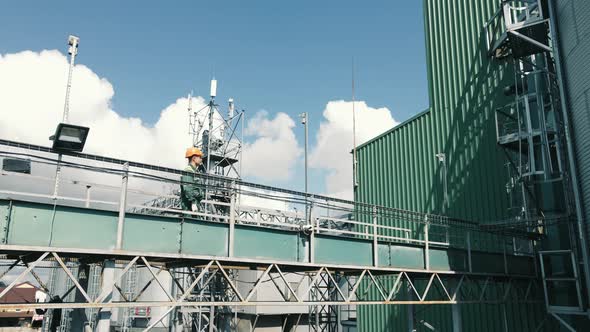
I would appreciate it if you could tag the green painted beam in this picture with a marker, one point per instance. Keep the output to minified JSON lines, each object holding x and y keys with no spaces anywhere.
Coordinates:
{"x":45,"y":225}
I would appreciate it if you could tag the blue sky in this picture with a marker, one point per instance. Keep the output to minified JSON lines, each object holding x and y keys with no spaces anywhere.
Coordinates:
{"x":278,"y":56}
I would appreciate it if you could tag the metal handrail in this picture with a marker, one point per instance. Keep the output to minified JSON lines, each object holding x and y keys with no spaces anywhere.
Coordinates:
{"x":383,"y":218}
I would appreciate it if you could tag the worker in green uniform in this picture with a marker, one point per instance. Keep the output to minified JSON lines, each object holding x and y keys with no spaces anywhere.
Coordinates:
{"x":192,"y":190}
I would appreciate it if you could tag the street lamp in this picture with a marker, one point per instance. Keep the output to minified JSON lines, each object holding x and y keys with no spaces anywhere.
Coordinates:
{"x":303,"y":117}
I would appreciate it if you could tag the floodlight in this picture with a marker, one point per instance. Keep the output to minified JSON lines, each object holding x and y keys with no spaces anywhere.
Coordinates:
{"x":69,"y":138}
{"x":73,"y":42}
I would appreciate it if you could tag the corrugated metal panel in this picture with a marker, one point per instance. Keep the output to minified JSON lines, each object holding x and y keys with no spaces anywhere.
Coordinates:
{"x":399,"y":169}
{"x":573,"y":19}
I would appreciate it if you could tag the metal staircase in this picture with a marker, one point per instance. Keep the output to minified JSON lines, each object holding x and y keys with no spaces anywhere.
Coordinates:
{"x":531,"y":131}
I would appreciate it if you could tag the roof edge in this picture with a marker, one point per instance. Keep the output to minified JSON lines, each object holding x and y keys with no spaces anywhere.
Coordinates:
{"x":400,"y":125}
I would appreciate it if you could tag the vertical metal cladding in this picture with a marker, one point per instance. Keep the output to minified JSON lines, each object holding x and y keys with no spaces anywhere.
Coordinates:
{"x":463,"y":91}
{"x":399,"y":169}
{"x":573,"y":24}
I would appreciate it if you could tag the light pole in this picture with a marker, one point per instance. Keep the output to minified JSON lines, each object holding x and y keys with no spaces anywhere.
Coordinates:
{"x":73,"y":42}
{"x":303,"y":117}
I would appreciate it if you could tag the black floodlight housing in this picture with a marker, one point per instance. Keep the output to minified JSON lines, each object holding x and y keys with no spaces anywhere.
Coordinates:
{"x":69,"y":138}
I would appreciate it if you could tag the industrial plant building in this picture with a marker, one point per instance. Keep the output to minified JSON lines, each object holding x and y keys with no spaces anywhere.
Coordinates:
{"x":473,"y":215}
{"x":495,"y":147}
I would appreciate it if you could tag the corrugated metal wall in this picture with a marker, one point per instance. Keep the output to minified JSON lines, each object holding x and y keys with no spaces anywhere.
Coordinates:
{"x":573,"y":20}
{"x":399,"y":169}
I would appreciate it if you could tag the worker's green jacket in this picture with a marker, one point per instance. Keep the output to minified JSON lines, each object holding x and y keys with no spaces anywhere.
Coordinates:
{"x":192,"y":189}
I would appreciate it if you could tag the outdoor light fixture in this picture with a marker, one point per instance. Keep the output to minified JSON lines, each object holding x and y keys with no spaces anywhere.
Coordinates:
{"x":69,"y":138}
{"x":442,"y":158}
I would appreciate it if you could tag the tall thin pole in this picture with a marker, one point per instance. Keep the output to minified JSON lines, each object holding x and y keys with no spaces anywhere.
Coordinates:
{"x":354,"y":160}
{"x":304,"y":122}
{"x":211,"y":110}
{"x":73,"y":42}
{"x":306,"y":144}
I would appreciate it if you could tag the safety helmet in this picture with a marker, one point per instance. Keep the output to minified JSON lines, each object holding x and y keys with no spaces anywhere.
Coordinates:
{"x":193,"y":152}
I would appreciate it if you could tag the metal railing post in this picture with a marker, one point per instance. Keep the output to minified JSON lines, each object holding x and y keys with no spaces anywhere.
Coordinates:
{"x":426,"y":244}
{"x":469,"y":264}
{"x":313,"y":229}
{"x":232,"y":220}
{"x":87,"y":203}
{"x":122,"y":205}
{"x":375,"y":242}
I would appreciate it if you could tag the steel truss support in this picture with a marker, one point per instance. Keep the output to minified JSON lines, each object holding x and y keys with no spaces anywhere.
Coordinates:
{"x":563,"y":322}
{"x":354,"y":286}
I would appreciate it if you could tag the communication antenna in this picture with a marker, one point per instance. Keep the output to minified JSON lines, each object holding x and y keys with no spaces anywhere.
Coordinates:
{"x":231,"y":108}
{"x":218,"y":133}
{"x":213,"y":93}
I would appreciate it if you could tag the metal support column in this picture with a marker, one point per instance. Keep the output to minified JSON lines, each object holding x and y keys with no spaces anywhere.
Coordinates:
{"x":212,"y":318}
{"x":456,"y":313}
{"x":410,"y":310}
{"x":80,"y":321}
{"x":312,"y":229}
{"x":375,"y":239}
{"x":122,"y":204}
{"x":108,"y":278}
{"x":426,"y":245}
{"x":232,"y":221}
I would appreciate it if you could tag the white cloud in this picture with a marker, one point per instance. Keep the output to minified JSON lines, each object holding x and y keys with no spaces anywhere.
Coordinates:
{"x":335,"y":142}
{"x":275,"y":152}
{"x":32,"y":88}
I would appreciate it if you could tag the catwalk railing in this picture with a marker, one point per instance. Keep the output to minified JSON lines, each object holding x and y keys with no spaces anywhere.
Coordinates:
{"x":95,"y":210}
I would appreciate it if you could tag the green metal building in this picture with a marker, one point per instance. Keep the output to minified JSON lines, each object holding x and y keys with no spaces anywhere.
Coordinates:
{"x":447,"y":159}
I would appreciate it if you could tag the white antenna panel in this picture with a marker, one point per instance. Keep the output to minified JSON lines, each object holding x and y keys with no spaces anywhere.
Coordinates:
{"x":213,"y":88}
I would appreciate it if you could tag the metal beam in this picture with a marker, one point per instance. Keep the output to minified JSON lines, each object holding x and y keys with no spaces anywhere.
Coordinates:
{"x":155,"y":277}
{"x":563,"y":322}
{"x":107,"y":290}
{"x":245,"y":262}
{"x":71,"y":276}
{"x":20,"y":276}
{"x":71,"y":305}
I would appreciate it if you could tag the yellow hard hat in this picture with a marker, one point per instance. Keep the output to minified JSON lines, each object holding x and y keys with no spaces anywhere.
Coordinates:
{"x":193,"y":152}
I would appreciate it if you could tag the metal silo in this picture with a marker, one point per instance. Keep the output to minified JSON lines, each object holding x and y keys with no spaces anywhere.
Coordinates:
{"x":573,"y":26}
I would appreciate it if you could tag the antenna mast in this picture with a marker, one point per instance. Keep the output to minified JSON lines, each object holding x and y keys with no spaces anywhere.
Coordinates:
{"x":354,"y":160}
{"x":219,"y":135}
{"x":73,"y":42}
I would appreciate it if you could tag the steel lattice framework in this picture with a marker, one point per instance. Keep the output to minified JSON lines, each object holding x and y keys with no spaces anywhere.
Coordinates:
{"x":355,"y":285}
{"x":340,"y":253}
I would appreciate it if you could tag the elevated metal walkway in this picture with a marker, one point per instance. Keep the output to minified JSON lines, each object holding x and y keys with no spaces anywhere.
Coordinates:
{"x":367,"y":254}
